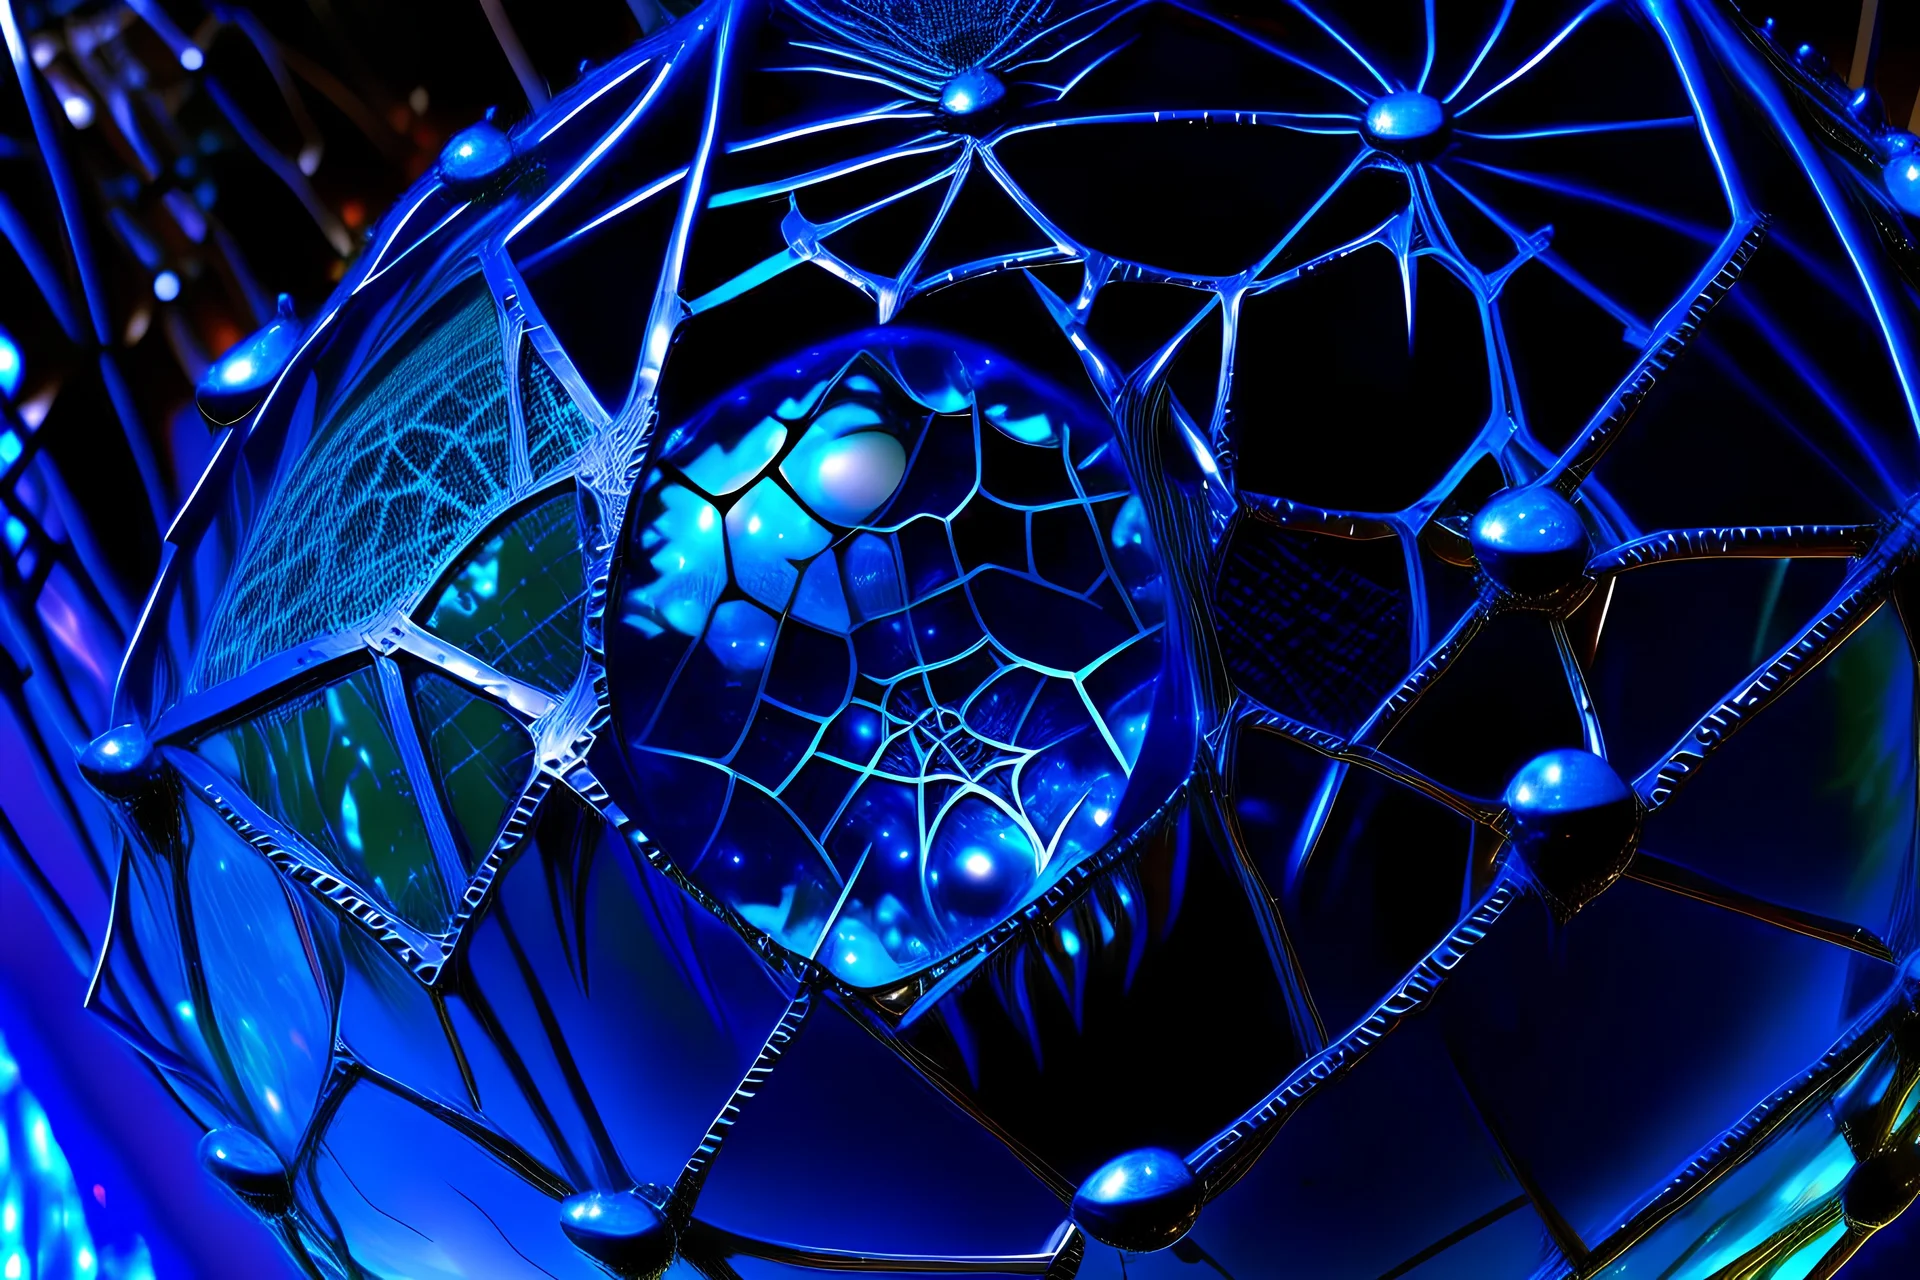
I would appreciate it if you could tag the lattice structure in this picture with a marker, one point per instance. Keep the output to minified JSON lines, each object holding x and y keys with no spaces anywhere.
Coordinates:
{"x":1304,"y":397}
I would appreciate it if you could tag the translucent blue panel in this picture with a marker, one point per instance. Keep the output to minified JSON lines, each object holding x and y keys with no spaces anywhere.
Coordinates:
{"x":620,"y":1013}
{"x":1002,"y":611}
{"x":1835,"y":760}
{"x":471,"y":1218}
{"x":1371,"y":1141}
{"x":326,"y":766}
{"x":883,"y":1162}
{"x":398,"y":476}
{"x":516,"y":601}
{"x":275,"y":1021}
{"x":143,"y":983}
{"x":482,"y":756}
{"x":388,"y":1020}
{"x":556,"y":427}
{"x":1738,"y":1007}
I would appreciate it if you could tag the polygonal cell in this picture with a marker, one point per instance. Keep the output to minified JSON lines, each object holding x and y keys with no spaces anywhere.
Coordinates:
{"x":516,"y":602}
{"x":835,"y":486}
{"x":1374,"y":1139}
{"x":1773,"y":401}
{"x":1045,"y":1038}
{"x":953,"y":1189}
{"x":476,"y":1217}
{"x":603,"y":997}
{"x":1417,"y":356}
{"x":1738,"y":1007}
{"x":1505,"y":700}
{"x":141,"y":983}
{"x":1222,"y":195}
{"x":326,"y":767}
{"x":1385,"y":883}
{"x":557,"y":428}
{"x":603,"y":229}
{"x":1679,"y":637}
{"x":1314,"y":627}
{"x":1834,"y":759}
{"x":1598,"y":146}
{"x":397,"y":476}
{"x":275,"y":1021}
{"x":482,"y":756}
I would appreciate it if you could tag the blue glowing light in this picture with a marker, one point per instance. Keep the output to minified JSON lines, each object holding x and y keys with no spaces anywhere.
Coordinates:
{"x":1902,"y":176}
{"x":166,"y":286}
{"x":11,"y":367}
{"x":235,"y":383}
{"x":971,"y":91}
{"x":475,"y":154}
{"x":1143,"y":1200}
{"x":1529,"y":539}
{"x":1406,"y":116}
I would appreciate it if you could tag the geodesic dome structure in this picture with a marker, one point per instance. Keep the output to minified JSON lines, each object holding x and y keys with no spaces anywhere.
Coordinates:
{"x":1056,"y":639}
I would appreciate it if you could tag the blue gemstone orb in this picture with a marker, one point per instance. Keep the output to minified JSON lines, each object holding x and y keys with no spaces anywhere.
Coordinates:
{"x":1141,"y":1201}
{"x":119,"y":762}
{"x":248,"y":1167}
{"x":971,"y":91}
{"x":475,"y":154}
{"x":981,"y":864}
{"x":233,"y":386}
{"x":623,"y":1231}
{"x":1530,"y":540}
{"x":1574,"y":825}
{"x":1902,"y":176}
{"x":1404,"y":118}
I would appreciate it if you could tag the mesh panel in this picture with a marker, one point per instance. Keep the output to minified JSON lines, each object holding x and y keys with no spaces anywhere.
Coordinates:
{"x":556,"y":429}
{"x":403,"y":474}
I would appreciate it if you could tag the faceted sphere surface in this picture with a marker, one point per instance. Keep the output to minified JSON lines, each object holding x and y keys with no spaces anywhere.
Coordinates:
{"x":894,"y":637}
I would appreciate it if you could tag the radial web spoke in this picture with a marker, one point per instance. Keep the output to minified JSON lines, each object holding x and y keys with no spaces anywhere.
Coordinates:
{"x":1670,"y":876}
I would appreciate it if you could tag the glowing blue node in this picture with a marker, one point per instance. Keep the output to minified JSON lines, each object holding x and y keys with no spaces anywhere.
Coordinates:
{"x":475,"y":154}
{"x":119,"y":762}
{"x":1530,"y":540}
{"x":166,"y":286}
{"x":981,"y":863}
{"x":247,"y":1167}
{"x":1141,"y":1201}
{"x":972,"y":91}
{"x":623,"y":1231}
{"x":1882,"y":1186}
{"x":235,"y":383}
{"x":11,"y":365}
{"x":1402,"y":119}
{"x":1902,"y":176}
{"x":1574,"y":825}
